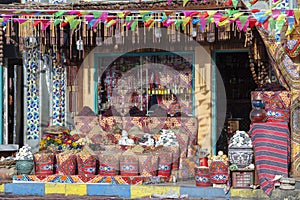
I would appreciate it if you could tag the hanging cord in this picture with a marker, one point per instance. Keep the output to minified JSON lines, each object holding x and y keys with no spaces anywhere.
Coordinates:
{"x":79,"y":42}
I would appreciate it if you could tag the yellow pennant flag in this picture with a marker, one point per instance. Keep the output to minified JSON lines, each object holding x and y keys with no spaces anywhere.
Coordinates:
{"x":185,"y":2}
{"x":223,"y":23}
{"x":211,"y":12}
{"x":121,"y":15}
{"x":237,"y":15}
{"x":281,"y":17}
{"x":297,"y":15}
{"x":289,"y":31}
{"x":268,"y":12}
{"x":185,"y":20}
{"x":25,"y":23}
{"x":70,"y":18}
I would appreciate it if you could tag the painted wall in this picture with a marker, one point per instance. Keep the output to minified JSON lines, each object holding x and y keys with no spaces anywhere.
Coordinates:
{"x":203,"y":109}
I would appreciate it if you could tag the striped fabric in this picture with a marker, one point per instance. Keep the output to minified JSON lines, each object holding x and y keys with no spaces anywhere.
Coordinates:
{"x":271,"y":143}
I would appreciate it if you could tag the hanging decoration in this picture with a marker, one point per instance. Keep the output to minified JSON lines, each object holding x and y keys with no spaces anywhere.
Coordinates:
{"x":258,"y":68}
{"x":32,"y":94}
{"x":58,"y":91}
{"x":271,"y":20}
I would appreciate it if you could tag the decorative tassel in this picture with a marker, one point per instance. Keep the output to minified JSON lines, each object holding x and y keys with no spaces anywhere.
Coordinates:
{"x":61,"y":31}
{"x":7,"y":34}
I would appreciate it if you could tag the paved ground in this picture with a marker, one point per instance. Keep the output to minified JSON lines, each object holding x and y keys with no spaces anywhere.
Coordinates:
{"x":60,"y":197}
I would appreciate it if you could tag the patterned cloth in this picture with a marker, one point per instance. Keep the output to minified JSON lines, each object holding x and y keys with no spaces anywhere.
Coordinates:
{"x":293,"y":48}
{"x":271,"y":142}
{"x":277,"y":104}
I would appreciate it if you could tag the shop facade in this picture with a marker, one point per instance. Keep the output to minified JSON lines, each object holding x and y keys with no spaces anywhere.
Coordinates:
{"x":144,"y":63}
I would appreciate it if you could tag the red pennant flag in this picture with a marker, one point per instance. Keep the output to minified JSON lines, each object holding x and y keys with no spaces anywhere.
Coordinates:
{"x":109,"y":18}
{"x":50,"y":12}
{"x":63,"y":24}
{"x":204,"y":15}
{"x":252,"y":1}
{"x":266,"y":24}
{"x":36,"y":22}
{"x":45,"y":24}
{"x":126,"y":13}
{"x":255,"y":10}
{"x":168,"y":12}
{"x":252,"y":22}
{"x":258,"y":24}
{"x":223,"y":18}
{"x":149,"y":22}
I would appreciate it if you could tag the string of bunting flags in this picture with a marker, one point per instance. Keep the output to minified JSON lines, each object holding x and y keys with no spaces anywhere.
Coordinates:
{"x":271,"y":20}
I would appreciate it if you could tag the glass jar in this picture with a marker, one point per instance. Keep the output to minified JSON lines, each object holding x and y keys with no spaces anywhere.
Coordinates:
{"x":258,"y":114}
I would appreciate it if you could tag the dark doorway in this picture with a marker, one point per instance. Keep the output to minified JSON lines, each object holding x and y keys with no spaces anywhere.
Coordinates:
{"x":235,"y":73}
{"x":15,"y":101}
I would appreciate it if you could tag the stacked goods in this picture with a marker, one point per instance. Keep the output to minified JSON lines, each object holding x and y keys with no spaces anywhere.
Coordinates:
{"x":59,"y":140}
{"x":24,"y":153}
{"x":168,"y":139}
{"x":118,"y":152}
{"x":146,"y":140}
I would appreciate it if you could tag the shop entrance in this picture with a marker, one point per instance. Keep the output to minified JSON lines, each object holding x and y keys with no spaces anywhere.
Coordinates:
{"x":15,"y":103}
{"x":235,"y":73}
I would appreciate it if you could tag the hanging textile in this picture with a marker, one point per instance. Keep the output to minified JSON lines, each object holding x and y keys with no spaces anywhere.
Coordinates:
{"x":58,"y":92}
{"x":32,"y":94}
{"x":287,"y":69}
{"x":271,"y":142}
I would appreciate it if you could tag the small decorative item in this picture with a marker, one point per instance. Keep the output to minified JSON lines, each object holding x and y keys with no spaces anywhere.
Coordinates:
{"x":66,"y":163}
{"x":258,"y":113}
{"x":218,"y":168}
{"x":165,"y":158}
{"x":44,"y":163}
{"x":24,"y":160}
{"x":219,"y":172}
{"x":129,"y":165}
{"x":240,"y":149}
{"x":109,"y":164}
{"x":202,"y":176}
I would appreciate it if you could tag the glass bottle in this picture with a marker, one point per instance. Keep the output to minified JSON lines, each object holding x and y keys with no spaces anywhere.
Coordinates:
{"x":258,"y":113}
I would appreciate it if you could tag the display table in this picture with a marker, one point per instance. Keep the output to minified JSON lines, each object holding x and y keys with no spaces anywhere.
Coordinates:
{"x":271,"y":141}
